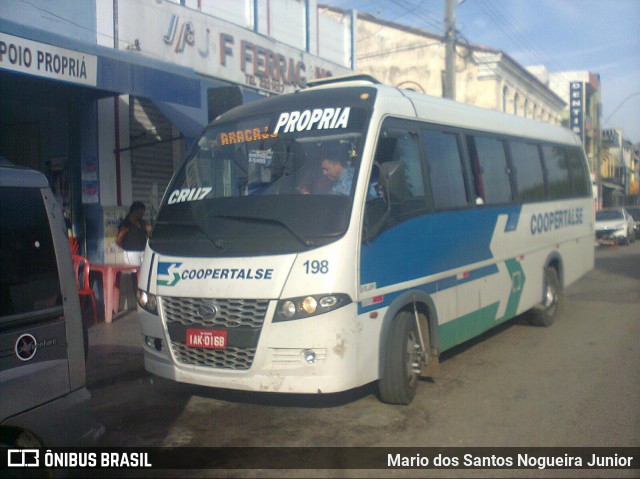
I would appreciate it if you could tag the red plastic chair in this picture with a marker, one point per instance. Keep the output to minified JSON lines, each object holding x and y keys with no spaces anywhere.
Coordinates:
{"x":82,"y":267}
{"x":74,"y":245}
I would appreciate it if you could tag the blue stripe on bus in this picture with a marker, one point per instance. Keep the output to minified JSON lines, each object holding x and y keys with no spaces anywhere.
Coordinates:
{"x":512,"y":221}
{"x":429,"y":244}
{"x":478,"y":273}
{"x":431,"y":287}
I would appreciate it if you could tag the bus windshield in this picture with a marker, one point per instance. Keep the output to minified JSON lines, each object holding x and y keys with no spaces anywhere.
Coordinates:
{"x":266,"y":181}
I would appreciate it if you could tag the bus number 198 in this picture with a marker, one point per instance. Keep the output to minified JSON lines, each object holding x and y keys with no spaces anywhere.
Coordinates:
{"x":316,"y":267}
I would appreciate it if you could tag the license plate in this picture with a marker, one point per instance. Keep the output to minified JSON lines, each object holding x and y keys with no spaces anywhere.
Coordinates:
{"x":207,"y":338}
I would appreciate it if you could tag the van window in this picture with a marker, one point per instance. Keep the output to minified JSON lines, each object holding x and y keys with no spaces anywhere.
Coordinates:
{"x":528,"y":169}
{"x":578,"y":173}
{"x":29,"y":274}
{"x":556,"y":160}
{"x":401,"y":145}
{"x":445,"y":169}
{"x":492,"y":170}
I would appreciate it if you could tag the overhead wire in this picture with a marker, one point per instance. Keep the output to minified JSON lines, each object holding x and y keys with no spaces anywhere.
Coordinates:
{"x":529,"y":45}
{"x":418,"y":13}
{"x":414,"y":46}
{"x":407,"y":11}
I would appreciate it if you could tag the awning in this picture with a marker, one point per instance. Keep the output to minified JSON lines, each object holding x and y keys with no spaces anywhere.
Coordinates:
{"x":190,"y":121}
{"x":177,"y":91}
{"x":107,"y":70}
{"x":612,"y":186}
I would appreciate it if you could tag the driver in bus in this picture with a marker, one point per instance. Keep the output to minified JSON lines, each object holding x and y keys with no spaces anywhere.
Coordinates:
{"x":336,"y":169}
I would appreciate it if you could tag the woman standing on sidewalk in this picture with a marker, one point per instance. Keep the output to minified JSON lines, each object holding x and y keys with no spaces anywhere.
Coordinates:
{"x":133,"y":233}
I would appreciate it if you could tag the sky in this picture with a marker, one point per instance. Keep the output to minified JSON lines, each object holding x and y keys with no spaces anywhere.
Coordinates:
{"x":601,"y":36}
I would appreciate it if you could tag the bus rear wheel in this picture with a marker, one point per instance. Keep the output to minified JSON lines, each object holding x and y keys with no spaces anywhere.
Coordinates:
{"x":545,"y":313}
{"x":402,"y":361}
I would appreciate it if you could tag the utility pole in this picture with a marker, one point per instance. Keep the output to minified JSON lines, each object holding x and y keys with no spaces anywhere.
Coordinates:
{"x":450,"y":50}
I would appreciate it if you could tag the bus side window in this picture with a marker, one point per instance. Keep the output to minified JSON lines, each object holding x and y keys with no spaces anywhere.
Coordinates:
{"x":525,"y":158}
{"x":491,"y":170}
{"x":444,"y":161}
{"x":565,"y":172}
{"x":401,"y":145}
{"x":578,"y":173}
{"x":556,"y":162}
{"x":405,"y":195}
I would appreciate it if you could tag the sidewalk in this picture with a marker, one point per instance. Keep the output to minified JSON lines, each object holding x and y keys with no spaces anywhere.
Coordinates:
{"x":115,"y":351}
{"x":123,"y":331}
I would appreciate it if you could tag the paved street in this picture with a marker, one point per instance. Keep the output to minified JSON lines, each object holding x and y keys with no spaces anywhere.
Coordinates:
{"x":574,"y":384}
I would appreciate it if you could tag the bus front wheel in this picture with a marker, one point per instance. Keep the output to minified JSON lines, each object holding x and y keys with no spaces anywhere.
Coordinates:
{"x":402,"y":361}
{"x":546,"y":312}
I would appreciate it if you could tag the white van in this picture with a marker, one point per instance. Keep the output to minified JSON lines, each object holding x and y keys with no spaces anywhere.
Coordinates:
{"x":44,"y":400}
{"x":351,"y":232}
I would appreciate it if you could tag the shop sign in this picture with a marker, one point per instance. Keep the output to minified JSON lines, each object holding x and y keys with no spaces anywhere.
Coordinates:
{"x":576,"y":108}
{"x":43,"y":60}
{"x":220,"y":49}
{"x":610,"y":137}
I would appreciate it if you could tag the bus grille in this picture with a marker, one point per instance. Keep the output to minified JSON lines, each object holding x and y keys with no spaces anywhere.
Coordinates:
{"x":230,"y":358}
{"x":231,"y":314}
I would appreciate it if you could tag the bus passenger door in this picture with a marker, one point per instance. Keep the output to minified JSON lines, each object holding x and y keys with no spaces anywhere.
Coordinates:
{"x":396,"y":236}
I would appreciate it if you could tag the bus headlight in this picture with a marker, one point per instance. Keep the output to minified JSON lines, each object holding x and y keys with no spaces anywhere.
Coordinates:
{"x":307,"y":306}
{"x":287,"y":309}
{"x":147,"y":301}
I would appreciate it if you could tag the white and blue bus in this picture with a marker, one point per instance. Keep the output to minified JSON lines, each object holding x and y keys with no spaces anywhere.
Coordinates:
{"x":351,"y":232}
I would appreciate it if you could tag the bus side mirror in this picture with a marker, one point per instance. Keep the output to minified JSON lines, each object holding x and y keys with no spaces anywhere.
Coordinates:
{"x":393,"y":182}
{"x":378,"y":210}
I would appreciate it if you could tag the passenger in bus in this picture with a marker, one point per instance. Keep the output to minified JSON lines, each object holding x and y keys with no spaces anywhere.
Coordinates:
{"x":133,"y":233}
{"x":339,"y":174}
{"x":336,"y":169}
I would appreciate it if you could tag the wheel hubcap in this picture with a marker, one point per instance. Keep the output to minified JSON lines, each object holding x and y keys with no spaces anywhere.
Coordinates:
{"x":550,"y":297}
{"x":413,"y":358}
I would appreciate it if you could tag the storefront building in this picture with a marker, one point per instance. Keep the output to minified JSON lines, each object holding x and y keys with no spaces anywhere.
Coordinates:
{"x":105,"y":97}
{"x":619,"y":169}
{"x":582,"y":92}
{"x":412,"y":58}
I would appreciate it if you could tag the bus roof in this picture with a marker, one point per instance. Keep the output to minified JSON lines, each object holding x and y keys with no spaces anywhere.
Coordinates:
{"x":448,"y":112}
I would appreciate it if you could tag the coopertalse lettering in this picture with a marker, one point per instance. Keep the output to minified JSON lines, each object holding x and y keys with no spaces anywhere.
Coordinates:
{"x":317,"y":119}
{"x":554,"y":220}
{"x":228,"y":273}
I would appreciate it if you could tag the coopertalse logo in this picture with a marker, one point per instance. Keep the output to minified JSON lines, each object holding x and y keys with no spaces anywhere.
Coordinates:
{"x":168,"y":273}
{"x":26,"y":347}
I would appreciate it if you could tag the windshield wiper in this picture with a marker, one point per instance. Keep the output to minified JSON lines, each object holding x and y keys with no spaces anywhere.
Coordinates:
{"x":217,"y":242}
{"x":259,"y":219}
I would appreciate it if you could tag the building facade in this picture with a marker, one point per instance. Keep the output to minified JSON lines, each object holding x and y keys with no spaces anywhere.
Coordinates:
{"x":620,"y":169}
{"x":105,"y":97}
{"x":582,"y":92}
{"x":411,"y":58}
